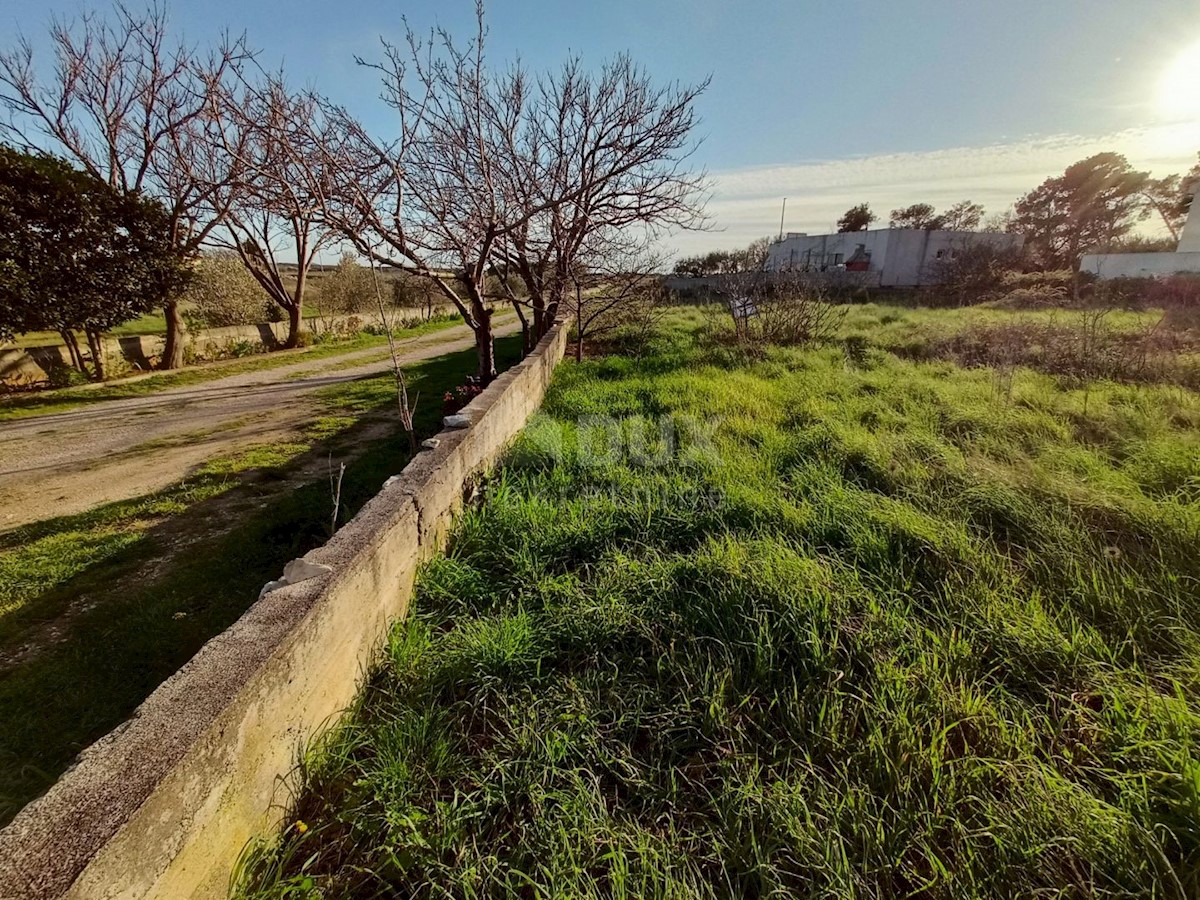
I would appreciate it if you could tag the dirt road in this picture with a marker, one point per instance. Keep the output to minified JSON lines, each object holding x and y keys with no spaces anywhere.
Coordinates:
{"x":65,"y":463}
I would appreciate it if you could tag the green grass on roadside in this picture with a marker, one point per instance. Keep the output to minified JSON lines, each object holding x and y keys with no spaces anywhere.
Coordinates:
{"x":18,"y":406}
{"x":137,"y":612}
{"x":851,"y":626}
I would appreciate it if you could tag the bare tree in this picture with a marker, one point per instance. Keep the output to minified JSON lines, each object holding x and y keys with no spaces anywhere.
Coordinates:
{"x":494,"y":174}
{"x":277,"y":208}
{"x":615,"y":284}
{"x":138,"y":110}
{"x":428,"y":201}
{"x":406,"y":408}
{"x":600,"y":153}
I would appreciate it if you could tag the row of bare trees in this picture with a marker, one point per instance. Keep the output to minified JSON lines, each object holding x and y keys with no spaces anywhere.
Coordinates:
{"x":496,"y":184}
{"x":138,"y":111}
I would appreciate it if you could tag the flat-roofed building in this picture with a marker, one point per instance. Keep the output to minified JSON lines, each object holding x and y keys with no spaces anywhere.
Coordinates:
{"x":887,"y":257}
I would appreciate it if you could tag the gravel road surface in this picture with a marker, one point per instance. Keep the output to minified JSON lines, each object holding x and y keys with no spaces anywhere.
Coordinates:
{"x":68,"y":462}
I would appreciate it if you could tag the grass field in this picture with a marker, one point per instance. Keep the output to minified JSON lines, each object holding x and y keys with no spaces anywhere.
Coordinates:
{"x":821,"y":623}
{"x":120,"y":597}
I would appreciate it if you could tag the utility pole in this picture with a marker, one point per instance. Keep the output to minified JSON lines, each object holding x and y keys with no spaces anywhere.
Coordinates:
{"x":781,"y":212}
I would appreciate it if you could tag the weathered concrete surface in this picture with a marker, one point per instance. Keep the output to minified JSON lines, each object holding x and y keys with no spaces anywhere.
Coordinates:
{"x":162,"y":807}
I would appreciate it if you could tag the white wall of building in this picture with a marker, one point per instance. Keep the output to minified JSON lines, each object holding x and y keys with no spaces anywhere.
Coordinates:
{"x":819,"y":252}
{"x":1184,"y":261}
{"x":1140,"y":265}
{"x":900,"y":257}
{"x":1189,"y":238}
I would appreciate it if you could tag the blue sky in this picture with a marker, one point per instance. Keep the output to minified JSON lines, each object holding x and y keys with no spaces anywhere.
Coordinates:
{"x":827,"y":103}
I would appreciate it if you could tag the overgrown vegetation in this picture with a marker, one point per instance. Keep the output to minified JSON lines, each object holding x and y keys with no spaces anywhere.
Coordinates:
{"x":823,"y":622}
{"x":785,"y":309}
{"x":1082,"y":346}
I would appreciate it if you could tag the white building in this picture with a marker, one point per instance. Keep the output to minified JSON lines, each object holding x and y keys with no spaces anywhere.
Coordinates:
{"x":1184,"y":261}
{"x":887,"y":257}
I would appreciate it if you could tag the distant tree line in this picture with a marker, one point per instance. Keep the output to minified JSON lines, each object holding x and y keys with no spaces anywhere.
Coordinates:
{"x":726,"y":262}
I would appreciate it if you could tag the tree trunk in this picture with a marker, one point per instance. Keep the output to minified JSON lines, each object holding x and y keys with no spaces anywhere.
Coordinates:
{"x":172,"y":357}
{"x":96,"y":345}
{"x":72,"y":346}
{"x":526,"y":334}
{"x":550,"y":313}
{"x":485,"y":347}
{"x":578,"y":325}
{"x":539,"y":316}
{"x":295,"y":324}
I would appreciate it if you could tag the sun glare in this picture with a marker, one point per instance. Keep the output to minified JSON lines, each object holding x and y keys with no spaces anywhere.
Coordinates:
{"x":1179,"y":88}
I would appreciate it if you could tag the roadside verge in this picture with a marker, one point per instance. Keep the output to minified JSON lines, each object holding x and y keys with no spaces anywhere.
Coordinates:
{"x":163,"y":806}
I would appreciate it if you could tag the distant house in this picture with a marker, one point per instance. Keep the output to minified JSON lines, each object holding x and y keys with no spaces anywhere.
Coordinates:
{"x":885,"y":257}
{"x":1184,"y":261}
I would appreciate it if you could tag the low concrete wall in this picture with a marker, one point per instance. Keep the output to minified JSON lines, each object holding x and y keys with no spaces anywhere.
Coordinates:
{"x":162,"y":806}
{"x":32,"y":365}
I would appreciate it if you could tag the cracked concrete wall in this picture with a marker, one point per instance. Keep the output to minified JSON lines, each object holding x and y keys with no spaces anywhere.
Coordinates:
{"x":163,"y":806}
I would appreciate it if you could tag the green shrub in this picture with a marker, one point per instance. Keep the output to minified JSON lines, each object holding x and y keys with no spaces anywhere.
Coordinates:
{"x":63,"y":375}
{"x":347,"y":288}
{"x":221,"y":292}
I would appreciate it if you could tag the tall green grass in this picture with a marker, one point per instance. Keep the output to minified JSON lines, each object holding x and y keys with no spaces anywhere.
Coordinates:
{"x":864,"y":628}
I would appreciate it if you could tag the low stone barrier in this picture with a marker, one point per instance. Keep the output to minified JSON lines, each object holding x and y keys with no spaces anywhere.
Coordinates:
{"x":33,"y":365}
{"x":163,"y":806}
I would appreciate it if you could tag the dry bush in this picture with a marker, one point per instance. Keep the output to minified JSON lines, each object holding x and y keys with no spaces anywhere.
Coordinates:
{"x":782,"y":308}
{"x":1036,"y":290}
{"x":974,"y":272}
{"x":1032,"y":298}
{"x":1180,"y":293}
{"x":1083,"y":348}
{"x":1050,"y":280}
{"x":631,"y":326}
{"x":1182,"y":318}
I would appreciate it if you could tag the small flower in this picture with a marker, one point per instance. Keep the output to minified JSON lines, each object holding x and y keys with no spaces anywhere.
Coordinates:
{"x":301,"y":826}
